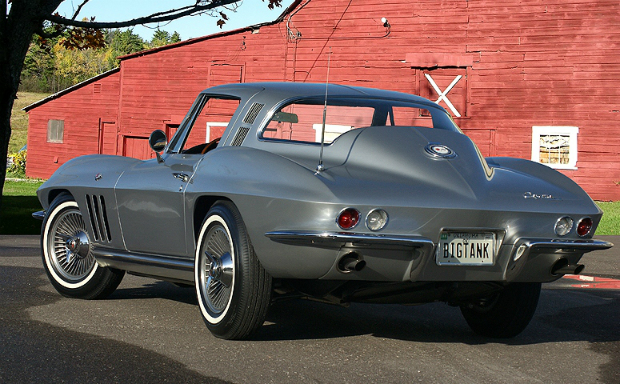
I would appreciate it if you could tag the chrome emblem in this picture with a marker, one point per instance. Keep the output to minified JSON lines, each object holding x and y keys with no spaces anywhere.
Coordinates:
{"x":440,"y":151}
{"x":530,"y":195}
{"x":98,"y":177}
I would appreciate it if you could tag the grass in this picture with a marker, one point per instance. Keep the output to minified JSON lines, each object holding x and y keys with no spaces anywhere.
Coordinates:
{"x":610,"y":224}
{"x":19,"y":119}
{"x":19,"y":201}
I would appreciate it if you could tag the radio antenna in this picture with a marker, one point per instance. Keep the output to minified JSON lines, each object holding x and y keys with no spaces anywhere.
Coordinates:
{"x":320,"y":167}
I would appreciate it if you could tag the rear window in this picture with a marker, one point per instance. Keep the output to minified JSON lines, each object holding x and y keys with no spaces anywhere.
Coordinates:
{"x":302,"y":120}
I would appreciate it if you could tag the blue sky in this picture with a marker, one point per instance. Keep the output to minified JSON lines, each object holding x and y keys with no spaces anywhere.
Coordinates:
{"x":249,"y":13}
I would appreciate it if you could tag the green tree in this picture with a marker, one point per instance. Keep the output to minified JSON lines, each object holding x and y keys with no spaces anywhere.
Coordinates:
{"x":22,"y":19}
{"x":38,"y":67}
{"x":160,"y":38}
{"x":121,"y":43}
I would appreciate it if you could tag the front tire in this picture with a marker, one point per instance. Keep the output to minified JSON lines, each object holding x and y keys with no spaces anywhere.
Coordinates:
{"x":67,"y":256}
{"x":232,"y":287}
{"x":504,"y":314}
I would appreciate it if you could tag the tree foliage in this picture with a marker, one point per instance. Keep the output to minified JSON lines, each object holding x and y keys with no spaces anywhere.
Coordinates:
{"x":52,"y":65}
{"x":21,"y":20}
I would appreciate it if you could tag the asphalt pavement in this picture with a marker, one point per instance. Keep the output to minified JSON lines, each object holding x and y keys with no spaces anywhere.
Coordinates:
{"x":603,"y":263}
{"x":151,"y":331}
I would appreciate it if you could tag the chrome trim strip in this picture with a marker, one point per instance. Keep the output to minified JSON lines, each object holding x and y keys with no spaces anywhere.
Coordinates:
{"x":39,"y":215}
{"x":563,"y":245}
{"x":338,"y":239}
{"x":152,"y":265}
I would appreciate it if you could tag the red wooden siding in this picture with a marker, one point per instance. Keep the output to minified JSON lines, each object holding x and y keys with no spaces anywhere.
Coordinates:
{"x":522,"y":64}
{"x":89,"y":114}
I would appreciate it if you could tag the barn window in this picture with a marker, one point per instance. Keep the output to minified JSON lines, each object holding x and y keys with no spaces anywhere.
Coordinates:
{"x":215,"y":130}
{"x":55,"y":131}
{"x":555,"y":146}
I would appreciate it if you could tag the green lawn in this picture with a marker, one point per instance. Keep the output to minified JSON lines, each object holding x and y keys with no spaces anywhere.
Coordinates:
{"x":610,"y":224}
{"x":19,"y":119}
{"x":19,"y":201}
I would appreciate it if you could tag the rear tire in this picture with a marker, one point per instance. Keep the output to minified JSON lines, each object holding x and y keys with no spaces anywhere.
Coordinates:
{"x":504,"y":314}
{"x":67,"y":255}
{"x":232,"y":287}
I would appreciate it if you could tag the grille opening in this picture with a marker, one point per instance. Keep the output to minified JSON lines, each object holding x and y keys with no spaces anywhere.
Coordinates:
{"x":252,"y":113}
{"x":240,"y":136}
{"x":98,"y":217}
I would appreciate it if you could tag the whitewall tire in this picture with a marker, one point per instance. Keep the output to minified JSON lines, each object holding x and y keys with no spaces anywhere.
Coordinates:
{"x":67,"y":257}
{"x":232,"y":287}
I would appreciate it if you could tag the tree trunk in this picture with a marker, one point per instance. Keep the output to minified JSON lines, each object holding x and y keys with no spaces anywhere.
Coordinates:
{"x":16,"y":30}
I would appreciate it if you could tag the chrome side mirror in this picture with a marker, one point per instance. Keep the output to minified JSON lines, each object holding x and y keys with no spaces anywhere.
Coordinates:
{"x":158,"y":142}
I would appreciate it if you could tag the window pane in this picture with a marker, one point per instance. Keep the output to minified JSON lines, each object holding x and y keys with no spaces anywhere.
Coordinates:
{"x":554,"y":149}
{"x":215,"y":115}
{"x":412,"y":117}
{"x":304,"y":122}
{"x":55,"y":131}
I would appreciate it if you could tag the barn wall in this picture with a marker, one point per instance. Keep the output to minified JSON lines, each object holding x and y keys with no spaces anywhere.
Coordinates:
{"x":523,"y":64}
{"x":89,"y":113}
{"x":520,"y":64}
{"x":158,"y":89}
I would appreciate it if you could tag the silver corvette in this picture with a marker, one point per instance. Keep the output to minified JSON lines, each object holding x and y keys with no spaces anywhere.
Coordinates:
{"x":270,"y":191}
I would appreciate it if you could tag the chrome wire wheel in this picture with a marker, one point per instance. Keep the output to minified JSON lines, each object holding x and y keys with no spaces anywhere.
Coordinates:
{"x":217,"y":270}
{"x":70,"y":251}
{"x":232,"y":287}
{"x":67,"y":250}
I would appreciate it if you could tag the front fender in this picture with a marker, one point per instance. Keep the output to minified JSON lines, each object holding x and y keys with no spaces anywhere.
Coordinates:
{"x":91,"y":171}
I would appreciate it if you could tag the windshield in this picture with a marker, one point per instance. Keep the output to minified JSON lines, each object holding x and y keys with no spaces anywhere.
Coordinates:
{"x":302,"y":120}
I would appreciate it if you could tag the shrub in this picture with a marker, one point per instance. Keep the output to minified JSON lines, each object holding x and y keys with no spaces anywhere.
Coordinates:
{"x":18,"y":167}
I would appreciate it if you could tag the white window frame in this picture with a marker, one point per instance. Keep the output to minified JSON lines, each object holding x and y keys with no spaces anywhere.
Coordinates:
{"x":332,"y":131}
{"x":538,"y":131}
{"x":213,"y":124}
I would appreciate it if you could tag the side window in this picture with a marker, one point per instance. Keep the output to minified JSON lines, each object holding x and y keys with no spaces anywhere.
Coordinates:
{"x":555,"y":146}
{"x":207,"y":122}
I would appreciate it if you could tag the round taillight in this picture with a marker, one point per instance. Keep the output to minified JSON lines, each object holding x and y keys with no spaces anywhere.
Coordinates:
{"x":584,"y":227}
{"x":563,"y":226}
{"x":376,"y":219}
{"x":348,"y":218}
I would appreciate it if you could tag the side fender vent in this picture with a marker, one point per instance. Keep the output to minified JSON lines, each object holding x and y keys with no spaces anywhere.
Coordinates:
{"x":252,"y":113}
{"x":240,"y":136}
{"x":98,"y":218}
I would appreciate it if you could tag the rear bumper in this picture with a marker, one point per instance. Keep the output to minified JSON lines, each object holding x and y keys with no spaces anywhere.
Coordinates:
{"x":412,"y":258}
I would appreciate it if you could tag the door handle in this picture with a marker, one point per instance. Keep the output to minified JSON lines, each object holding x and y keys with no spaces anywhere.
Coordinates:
{"x":184,"y":177}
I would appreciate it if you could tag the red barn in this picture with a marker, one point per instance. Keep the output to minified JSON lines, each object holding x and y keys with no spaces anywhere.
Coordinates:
{"x":529,"y":79}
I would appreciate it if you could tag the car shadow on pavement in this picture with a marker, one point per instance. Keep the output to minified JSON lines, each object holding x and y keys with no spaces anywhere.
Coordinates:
{"x":35,"y":351}
{"x":560,"y":317}
{"x":157,"y":290}
{"x":568,"y":314}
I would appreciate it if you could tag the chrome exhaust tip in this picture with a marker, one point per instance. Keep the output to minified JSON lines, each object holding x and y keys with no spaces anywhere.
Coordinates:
{"x":351,"y":262}
{"x":562,"y":267}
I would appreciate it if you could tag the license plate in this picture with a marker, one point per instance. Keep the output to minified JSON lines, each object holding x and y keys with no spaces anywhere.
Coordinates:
{"x":466,"y":248}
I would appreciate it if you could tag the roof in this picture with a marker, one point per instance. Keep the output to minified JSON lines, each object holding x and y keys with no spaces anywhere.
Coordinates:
{"x":158,"y":49}
{"x":70,"y":89}
{"x":215,"y":35}
{"x":289,"y":90}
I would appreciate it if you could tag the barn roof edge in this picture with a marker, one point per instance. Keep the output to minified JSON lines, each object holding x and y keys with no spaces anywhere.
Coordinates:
{"x":279,"y":19}
{"x":70,"y":89}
